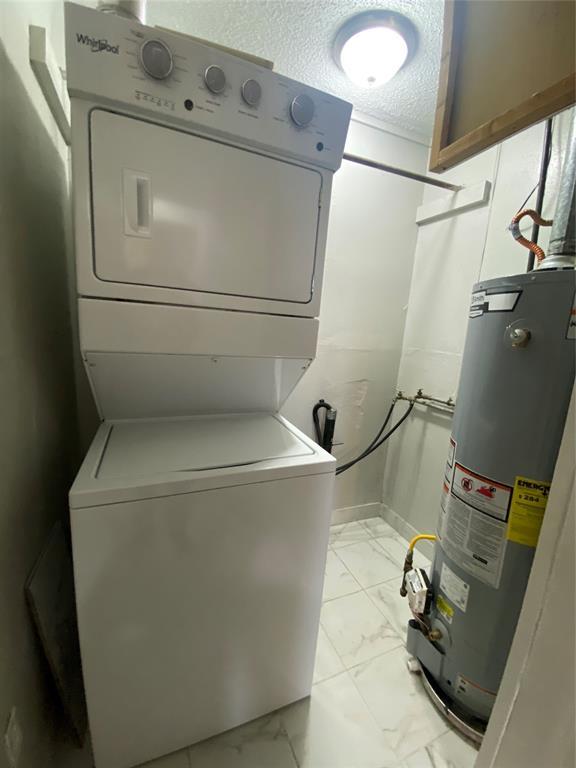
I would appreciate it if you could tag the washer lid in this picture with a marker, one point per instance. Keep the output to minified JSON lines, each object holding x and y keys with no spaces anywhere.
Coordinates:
{"x":140,"y":448}
{"x":155,"y":458}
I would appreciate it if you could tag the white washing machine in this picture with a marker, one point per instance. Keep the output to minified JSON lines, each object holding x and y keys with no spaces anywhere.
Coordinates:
{"x":201,"y":189}
{"x":199,"y":549}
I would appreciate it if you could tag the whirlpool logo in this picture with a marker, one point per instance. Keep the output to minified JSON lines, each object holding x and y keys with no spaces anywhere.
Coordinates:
{"x":97,"y":46}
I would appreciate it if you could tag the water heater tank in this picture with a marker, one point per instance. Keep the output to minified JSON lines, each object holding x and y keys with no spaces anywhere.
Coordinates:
{"x":516,"y":381}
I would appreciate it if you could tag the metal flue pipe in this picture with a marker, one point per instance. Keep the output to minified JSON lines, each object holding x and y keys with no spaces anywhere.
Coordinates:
{"x":562,"y":247}
{"x":542,"y":179}
{"x":129,"y":9}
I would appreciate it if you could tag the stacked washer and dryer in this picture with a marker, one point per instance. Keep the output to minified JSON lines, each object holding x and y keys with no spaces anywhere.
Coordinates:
{"x":200,"y":516}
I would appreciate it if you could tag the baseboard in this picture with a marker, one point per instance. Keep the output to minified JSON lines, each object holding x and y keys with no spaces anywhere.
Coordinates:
{"x":376,"y":509}
{"x":359,"y":512}
{"x":406,"y":530}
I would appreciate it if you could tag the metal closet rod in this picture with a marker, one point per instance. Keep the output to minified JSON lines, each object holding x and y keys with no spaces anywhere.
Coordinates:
{"x":401,"y":172}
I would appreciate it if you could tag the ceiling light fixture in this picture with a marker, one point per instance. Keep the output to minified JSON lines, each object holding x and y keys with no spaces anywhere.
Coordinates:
{"x":372,"y":46}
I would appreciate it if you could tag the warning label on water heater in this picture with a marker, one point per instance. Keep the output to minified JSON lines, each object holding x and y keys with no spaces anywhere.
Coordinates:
{"x":482,"y":493}
{"x":473,"y":540}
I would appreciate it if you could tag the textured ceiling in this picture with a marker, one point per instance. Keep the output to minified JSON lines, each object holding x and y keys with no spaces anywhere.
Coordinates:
{"x":297,"y":35}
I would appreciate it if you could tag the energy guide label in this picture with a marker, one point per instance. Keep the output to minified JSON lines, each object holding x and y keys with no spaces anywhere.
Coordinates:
{"x":527,"y":510}
{"x":472,"y":540}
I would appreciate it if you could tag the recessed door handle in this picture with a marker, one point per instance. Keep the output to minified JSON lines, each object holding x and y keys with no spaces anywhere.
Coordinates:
{"x":137,"y":193}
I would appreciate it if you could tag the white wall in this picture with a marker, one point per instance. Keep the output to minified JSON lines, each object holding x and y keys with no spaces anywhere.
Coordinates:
{"x":369,"y":258}
{"x":451,"y":255}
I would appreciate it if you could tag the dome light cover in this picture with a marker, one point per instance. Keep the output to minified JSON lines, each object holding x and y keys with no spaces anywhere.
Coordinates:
{"x":372,"y":47}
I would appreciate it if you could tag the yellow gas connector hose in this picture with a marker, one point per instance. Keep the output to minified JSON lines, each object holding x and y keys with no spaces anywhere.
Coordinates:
{"x":420,"y":537}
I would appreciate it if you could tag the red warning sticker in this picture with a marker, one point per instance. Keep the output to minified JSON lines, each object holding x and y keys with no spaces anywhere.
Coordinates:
{"x":482,"y":493}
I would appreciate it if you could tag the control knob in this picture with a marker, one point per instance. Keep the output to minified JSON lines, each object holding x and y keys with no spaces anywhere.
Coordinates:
{"x":156,"y":59}
{"x":215,"y":78}
{"x":251,"y":92}
{"x":302,"y":110}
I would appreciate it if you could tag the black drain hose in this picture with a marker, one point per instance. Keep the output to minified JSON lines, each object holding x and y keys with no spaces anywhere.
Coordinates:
{"x":324,"y":433}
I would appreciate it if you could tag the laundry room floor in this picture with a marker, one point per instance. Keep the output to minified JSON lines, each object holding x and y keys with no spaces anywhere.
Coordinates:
{"x":366,"y":709}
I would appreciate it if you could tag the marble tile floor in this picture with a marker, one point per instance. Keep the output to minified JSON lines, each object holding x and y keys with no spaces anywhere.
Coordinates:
{"x":366,"y":709}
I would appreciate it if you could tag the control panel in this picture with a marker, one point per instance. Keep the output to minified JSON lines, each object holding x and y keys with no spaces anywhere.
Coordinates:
{"x":183,"y":81}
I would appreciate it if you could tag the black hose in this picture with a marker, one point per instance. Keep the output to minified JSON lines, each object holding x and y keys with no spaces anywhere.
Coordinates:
{"x":376,"y":443}
{"x":325,"y":434}
{"x":372,"y":442}
{"x":385,"y":424}
{"x":546,"y":156}
{"x":328,"y":431}
{"x":319,"y":405}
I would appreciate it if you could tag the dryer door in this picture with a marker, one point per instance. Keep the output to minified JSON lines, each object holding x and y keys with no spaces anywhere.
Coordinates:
{"x":173,"y":210}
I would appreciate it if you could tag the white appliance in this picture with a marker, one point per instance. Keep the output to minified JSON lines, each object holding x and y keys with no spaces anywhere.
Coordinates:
{"x":201,"y":187}
{"x":199,"y":550}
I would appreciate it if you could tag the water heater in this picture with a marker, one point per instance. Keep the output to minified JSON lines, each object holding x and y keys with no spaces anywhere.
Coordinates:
{"x":516,"y":381}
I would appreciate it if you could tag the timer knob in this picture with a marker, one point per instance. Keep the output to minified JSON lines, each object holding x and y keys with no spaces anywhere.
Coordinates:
{"x":156,"y":59}
{"x":302,"y":110}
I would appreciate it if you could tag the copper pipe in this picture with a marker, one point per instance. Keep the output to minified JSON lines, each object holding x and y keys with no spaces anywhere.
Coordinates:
{"x":519,"y":237}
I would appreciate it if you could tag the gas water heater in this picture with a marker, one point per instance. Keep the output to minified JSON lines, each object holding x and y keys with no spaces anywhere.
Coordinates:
{"x":515,"y":387}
